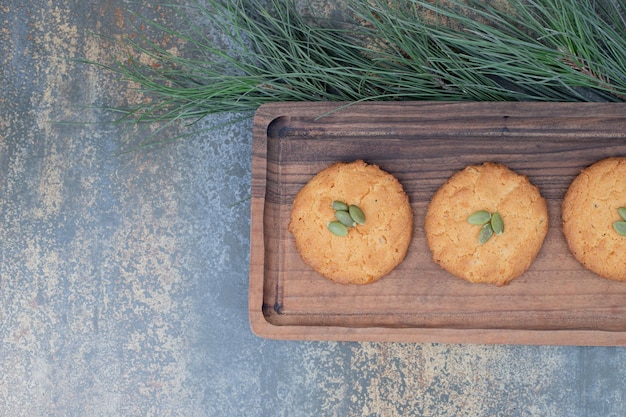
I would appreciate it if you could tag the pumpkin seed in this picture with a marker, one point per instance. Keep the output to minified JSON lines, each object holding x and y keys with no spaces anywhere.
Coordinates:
{"x":337,"y":228}
{"x":340,"y":205}
{"x":479,"y":217}
{"x":497,"y":224}
{"x":485,"y":233}
{"x":345,"y":218}
{"x":622,"y":212}
{"x":620,"y":227}
{"x":357,"y":214}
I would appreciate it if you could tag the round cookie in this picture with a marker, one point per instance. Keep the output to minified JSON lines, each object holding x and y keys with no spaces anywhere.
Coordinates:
{"x":494,"y":188}
{"x":588,"y":212}
{"x":370,"y":250}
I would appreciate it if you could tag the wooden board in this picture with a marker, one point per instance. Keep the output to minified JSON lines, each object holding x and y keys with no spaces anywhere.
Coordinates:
{"x":556,"y":301}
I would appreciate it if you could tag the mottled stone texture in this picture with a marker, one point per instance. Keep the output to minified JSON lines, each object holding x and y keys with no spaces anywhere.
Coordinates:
{"x":123,"y":277}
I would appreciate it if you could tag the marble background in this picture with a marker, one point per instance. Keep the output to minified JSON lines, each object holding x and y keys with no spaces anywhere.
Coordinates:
{"x":124,"y":276}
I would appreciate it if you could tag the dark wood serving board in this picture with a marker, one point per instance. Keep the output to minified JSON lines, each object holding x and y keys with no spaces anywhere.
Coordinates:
{"x":556,"y":301}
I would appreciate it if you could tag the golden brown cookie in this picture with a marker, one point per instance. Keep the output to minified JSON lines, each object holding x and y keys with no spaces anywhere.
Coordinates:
{"x":590,"y":208}
{"x":370,"y":250}
{"x":493,"y":188}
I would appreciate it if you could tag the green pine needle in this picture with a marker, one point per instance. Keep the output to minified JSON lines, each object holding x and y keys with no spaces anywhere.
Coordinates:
{"x":548,"y":50}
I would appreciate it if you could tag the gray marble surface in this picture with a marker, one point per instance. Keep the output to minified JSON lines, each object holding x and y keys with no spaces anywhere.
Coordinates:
{"x":124,"y":276}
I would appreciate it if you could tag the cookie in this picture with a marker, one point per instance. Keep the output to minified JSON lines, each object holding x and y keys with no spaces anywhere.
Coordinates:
{"x":456,"y":244}
{"x":588,"y":212}
{"x":370,"y":250}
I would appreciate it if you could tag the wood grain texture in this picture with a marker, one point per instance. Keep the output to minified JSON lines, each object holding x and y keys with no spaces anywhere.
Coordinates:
{"x":555,"y":302}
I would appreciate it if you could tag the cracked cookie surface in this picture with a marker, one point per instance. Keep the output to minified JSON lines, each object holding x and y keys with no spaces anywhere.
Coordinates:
{"x":369,"y":251}
{"x":453,"y":240}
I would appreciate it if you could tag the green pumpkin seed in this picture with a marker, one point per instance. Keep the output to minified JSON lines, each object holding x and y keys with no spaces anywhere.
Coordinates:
{"x":622,"y":212}
{"x":497,"y":224}
{"x":345,"y":218}
{"x":337,"y":228}
{"x":479,"y":218}
{"x":620,"y":227}
{"x":485,"y":233}
{"x":357,"y":214}
{"x":340,"y":205}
